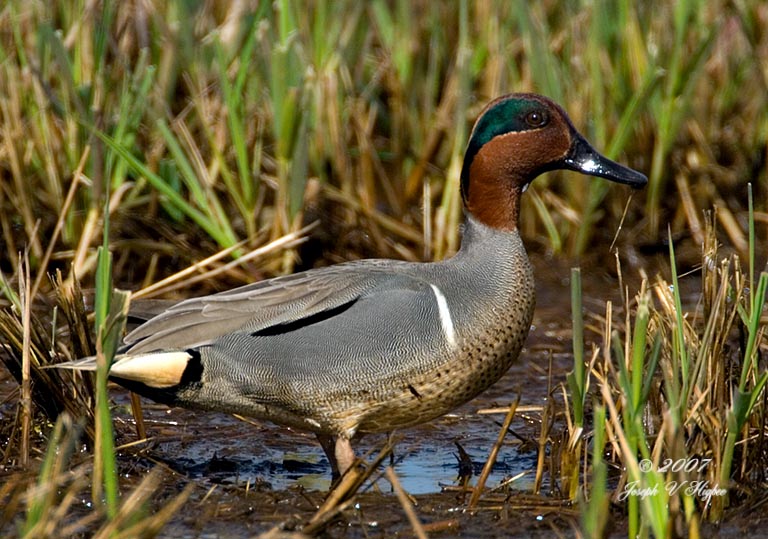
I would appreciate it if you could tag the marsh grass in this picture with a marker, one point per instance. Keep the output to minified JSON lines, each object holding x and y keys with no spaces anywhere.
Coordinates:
{"x":52,"y":500}
{"x":682,"y":389}
{"x":215,"y":132}
{"x":372,"y":104}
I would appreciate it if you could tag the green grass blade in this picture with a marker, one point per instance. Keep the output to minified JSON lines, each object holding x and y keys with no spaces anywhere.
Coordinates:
{"x":652,"y":364}
{"x":594,"y":516}
{"x":638,"y":355}
{"x":750,"y":357}
{"x":105,"y":464}
{"x":576,"y":378}
{"x":751,"y":224}
{"x":222,"y":237}
{"x":60,"y":446}
{"x":555,"y":239}
{"x":680,"y":363}
{"x":232,"y":97}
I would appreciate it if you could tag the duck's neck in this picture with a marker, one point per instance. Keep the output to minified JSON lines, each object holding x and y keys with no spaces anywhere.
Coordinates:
{"x":481,"y":241}
{"x":495,"y":205}
{"x":494,"y":190}
{"x":494,"y":269}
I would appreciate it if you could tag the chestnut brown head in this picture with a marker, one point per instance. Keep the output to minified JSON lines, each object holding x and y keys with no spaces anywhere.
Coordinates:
{"x":516,"y":138}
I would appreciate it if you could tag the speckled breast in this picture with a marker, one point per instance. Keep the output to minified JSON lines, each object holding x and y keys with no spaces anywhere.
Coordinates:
{"x":481,"y":358}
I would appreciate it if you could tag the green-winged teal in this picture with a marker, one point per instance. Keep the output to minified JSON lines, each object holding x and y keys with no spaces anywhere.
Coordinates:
{"x":374,"y":345}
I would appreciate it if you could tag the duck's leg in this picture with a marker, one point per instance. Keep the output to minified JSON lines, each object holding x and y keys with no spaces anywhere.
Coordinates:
{"x":345,"y":455}
{"x":339,"y":452}
{"x":327,"y":443}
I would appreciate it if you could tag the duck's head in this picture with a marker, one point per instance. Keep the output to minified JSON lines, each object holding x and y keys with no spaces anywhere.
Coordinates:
{"x":516,"y":138}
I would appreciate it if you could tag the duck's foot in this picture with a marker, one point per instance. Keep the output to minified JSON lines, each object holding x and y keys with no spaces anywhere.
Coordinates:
{"x":339,"y":452}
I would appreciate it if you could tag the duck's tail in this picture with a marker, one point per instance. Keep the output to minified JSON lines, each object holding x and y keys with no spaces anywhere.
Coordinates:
{"x":83,"y":364}
{"x":154,"y":369}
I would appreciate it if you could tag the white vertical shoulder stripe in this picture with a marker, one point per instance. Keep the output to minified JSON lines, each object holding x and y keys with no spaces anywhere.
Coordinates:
{"x":446,"y":322}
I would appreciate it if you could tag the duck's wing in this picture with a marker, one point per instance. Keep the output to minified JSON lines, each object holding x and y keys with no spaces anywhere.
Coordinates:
{"x":257,"y":307}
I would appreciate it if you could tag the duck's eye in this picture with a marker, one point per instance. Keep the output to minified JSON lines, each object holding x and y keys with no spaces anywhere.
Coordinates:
{"x":536,"y":118}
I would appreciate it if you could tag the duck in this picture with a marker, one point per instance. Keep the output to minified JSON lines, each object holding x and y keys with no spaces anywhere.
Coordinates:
{"x":374,"y":345}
